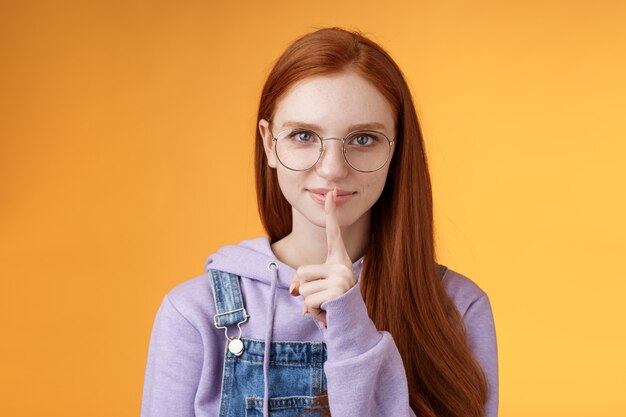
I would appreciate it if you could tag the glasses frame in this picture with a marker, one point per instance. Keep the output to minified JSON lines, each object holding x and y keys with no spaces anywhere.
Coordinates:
{"x":391,"y":142}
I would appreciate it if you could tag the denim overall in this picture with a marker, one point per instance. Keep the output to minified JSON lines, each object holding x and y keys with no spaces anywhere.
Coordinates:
{"x":296,"y":371}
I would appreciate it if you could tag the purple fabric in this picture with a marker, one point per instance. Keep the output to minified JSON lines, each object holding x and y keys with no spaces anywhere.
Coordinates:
{"x":364,"y":370}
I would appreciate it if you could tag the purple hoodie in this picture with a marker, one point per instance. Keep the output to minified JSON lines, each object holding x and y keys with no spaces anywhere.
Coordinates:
{"x":185,"y":359}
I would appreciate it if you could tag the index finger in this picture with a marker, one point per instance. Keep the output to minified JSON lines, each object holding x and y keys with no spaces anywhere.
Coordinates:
{"x":336,"y":248}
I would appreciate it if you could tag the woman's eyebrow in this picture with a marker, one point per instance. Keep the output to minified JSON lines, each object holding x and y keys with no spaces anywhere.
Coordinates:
{"x":367,"y":126}
{"x":293,"y":123}
{"x":358,"y":126}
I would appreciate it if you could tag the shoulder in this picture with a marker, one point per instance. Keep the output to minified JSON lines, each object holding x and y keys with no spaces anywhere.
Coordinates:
{"x":193,"y":298}
{"x":462,"y":290}
{"x":473,"y":304}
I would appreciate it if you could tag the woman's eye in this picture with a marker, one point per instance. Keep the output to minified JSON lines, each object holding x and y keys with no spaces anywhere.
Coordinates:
{"x":362,"y":139}
{"x":302,"y":135}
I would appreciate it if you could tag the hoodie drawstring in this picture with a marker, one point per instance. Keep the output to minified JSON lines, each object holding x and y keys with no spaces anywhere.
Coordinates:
{"x":273,"y":267}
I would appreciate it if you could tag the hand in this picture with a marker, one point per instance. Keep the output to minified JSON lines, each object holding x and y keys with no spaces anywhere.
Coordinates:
{"x":321,"y":283}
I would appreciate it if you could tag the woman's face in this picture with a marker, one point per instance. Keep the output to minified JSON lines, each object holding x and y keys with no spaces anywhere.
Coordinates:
{"x":331,"y":106}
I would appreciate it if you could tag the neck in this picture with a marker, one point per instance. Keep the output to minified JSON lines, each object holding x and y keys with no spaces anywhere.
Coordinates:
{"x":306,"y":244}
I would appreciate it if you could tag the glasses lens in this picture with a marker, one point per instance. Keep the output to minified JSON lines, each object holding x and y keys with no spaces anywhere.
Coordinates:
{"x":298,"y":149}
{"x":367,"y":151}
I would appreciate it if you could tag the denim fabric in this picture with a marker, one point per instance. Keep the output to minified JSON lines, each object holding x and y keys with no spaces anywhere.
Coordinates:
{"x":227,"y":297}
{"x":296,"y":376}
{"x":296,"y":371}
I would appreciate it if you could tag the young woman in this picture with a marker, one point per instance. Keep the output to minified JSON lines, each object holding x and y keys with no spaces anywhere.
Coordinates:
{"x":343,"y":310}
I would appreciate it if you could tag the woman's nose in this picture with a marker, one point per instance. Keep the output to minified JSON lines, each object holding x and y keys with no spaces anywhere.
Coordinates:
{"x":332,"y":164}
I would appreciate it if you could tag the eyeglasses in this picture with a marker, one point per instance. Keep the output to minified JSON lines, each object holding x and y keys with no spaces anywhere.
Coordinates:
{"x":299,"y":149}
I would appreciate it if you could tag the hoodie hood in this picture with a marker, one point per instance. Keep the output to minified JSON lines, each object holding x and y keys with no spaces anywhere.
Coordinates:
{"x":252,"y":259}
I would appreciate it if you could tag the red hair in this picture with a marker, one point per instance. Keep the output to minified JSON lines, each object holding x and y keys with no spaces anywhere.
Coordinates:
{"x":411,"y":303}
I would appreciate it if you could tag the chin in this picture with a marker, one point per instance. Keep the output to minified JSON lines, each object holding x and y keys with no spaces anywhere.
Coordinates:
{"x":320,"y":221}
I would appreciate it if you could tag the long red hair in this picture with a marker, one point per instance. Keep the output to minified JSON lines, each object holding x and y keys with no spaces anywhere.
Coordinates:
{"x":411,"y":303}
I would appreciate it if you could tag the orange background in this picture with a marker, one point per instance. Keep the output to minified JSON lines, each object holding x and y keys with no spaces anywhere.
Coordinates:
{"x":126,"y":133}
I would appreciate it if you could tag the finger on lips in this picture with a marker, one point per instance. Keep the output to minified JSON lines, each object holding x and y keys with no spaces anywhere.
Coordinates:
{"x":310,"y":280}
{"x":336,"y":249}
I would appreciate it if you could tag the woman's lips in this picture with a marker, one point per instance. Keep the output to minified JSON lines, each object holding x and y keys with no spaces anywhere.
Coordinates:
{"x":319,"y":195}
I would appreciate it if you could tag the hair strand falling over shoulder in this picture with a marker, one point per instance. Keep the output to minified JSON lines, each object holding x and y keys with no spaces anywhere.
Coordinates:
{"x":400,"y":281}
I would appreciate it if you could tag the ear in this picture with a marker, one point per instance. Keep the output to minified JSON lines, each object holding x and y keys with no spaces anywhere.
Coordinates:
{"x":268,"y":142}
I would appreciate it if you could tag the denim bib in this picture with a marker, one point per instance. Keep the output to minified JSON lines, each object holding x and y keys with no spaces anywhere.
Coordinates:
{"x":296,"y":371}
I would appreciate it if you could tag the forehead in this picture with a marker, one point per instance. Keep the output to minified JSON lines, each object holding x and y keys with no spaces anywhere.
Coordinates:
{"x":334,"y":102}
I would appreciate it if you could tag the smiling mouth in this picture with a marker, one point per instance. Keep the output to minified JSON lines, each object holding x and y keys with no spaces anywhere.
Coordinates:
{"x":319,"y":195}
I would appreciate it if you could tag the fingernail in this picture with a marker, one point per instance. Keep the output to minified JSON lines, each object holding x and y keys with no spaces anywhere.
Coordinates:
{"x":292,"y":287}
{"x":304,"y":310}
{"x":325,"y":325}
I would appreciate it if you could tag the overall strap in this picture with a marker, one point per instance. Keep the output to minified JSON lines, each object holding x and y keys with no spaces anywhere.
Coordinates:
{"x":229,"y":306}
{"x":442,"y":270}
